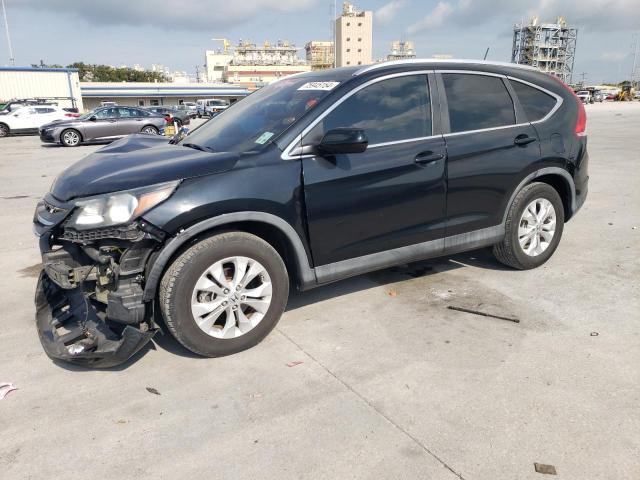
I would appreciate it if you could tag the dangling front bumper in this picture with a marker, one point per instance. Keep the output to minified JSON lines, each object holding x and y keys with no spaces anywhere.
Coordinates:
{"x":71,"y":329}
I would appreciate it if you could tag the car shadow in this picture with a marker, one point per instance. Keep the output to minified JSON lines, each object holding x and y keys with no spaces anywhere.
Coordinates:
{"x":478,"y":258}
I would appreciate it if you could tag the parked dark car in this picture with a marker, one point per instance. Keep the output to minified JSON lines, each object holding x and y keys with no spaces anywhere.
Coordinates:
{"x":101,"y":125}
{"x":312,"y":179}
{"x":181,"y":117}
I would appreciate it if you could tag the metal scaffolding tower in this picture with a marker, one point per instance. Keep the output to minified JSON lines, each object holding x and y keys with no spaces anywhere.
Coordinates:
{"x":550,"y":47}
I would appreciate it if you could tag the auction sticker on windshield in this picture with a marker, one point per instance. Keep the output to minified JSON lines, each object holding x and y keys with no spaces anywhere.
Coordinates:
{"x":262,"y":139}
{"x":319,"y":86}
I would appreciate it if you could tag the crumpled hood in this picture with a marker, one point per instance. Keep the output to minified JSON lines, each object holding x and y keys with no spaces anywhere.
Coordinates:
{"x":137,"y":161}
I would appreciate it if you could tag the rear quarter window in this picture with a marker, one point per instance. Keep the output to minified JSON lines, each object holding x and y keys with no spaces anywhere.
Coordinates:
{"x":477,"y":102}
{"x":535,"y":102}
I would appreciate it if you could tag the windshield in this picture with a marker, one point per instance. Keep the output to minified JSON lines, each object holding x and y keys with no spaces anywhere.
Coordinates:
{"x":253,"y":122}
{"x":217,"y":103}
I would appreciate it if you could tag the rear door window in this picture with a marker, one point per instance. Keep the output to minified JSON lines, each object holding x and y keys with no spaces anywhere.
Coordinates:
{"x":390,"y":110}
{"x":477,"y":102}
{"x":535,"y":102}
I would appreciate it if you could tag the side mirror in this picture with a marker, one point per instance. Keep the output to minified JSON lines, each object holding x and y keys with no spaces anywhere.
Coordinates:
{"x":93,"y":118}
{"x":343,"y":140}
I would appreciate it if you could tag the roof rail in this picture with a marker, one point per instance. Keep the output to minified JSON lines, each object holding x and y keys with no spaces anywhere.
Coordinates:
{"x":411,"y":61}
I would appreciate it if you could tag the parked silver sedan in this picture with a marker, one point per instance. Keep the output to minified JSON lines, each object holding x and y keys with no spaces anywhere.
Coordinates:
{"x":102,"y":125}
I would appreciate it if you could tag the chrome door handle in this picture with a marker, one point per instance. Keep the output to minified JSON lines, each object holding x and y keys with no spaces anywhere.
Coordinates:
{"x":428,"y":158}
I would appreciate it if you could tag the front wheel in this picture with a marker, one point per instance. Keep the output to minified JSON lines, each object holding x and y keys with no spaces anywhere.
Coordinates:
{"x":149,"y":130}
{"x":4,"y":130}
{"x":534,"y":226}
{"x":70,"y":138}
{"x":224,"y":294}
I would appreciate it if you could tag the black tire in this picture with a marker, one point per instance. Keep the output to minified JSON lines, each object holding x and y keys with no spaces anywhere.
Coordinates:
{"x":509,"y":251}
{"x":4,"y":130}
{"x":66,"y":141}
{"x":149,"y":130}
{"x":179,"y":280}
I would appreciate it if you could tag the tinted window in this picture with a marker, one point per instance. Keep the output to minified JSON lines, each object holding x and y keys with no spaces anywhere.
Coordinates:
{"x":477,"y":101}
{"x":390,"y":110}
{"x":536,"y":103}
{"x":128,"y":112}
{"x":107,"y":113}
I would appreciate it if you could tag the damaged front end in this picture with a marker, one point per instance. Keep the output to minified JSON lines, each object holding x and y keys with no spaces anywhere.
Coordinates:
{"x":89,"y":300}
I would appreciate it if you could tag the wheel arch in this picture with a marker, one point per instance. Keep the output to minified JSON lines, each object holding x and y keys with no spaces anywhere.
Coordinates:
{"x":272,"y":229}
{"x":556,"y":177}
{"x":75,"y":130}
{"x":8,"y":127}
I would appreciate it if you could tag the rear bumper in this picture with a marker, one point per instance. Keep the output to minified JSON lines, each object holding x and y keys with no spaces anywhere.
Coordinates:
{"x":71,"y":329}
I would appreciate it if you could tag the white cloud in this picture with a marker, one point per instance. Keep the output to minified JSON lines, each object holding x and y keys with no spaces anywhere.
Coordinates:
{"x":593,"y":15}
{"x":187,"y":14}
{"x":434,"y":19}
{"x":385,"y":14}
{"x":613,"y":56}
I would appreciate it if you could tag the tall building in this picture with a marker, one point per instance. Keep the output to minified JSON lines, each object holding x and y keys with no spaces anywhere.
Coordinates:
{"x":550,"y":47}
{"x":319,"y":54}
{"x":354,"y":37}
{"x":401,"y":50}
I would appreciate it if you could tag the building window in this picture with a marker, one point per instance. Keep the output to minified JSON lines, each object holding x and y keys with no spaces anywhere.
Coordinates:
{"x":359,"y":63}
{"x":359,"y":39}
{"x":348,"y":39}
{"x":141,"y":102}
{"x":348,"y":63}
{"x":154,"y":102}
{"x":359,"y":24}
{"x":348,"y":24}
{"x":348,"y":49}
{"x":359,"y":50}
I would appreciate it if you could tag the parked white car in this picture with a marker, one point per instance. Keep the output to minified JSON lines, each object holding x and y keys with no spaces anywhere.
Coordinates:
{"x":585,"y":96}
{"x":29,"y":118}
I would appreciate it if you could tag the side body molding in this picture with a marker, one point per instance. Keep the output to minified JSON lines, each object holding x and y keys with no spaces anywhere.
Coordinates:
{"x":305,"y":272}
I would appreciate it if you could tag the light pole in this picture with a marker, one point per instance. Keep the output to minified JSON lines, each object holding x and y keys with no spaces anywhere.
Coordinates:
{"x":6,"y":28}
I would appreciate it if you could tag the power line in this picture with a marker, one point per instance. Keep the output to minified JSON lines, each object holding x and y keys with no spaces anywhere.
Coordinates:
{"x":12,"y":60}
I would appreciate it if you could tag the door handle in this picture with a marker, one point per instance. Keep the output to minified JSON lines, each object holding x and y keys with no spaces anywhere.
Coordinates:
{"x":524,"y":139}
{"x":428,"y":158}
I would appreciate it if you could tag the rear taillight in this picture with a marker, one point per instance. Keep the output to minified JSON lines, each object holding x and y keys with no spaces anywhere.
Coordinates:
{"x":581,"y":121}
{"x":72,"y":115}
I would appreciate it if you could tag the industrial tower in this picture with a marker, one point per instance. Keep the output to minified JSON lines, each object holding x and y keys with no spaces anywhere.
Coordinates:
{"x":550,"y":47}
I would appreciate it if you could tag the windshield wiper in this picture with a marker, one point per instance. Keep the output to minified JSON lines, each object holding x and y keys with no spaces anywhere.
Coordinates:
{"x":198,"y":147}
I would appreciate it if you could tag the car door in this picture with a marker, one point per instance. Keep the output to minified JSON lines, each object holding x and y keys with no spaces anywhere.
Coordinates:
{"x":103,"y":125}
{"x":389,"y":196}
{"x":130,"y":121}
{"x":489,"y":144}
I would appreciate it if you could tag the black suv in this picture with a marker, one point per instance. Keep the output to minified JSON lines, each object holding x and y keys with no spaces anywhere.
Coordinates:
{"x":312,"y":179}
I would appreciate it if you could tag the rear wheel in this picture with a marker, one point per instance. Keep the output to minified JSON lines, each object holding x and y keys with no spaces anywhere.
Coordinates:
{"x":150,"y":130}
{"x":70,"y":138}
{"x":4,"y":130}
{"x":224,"y":294}
{"x":534,"y":226}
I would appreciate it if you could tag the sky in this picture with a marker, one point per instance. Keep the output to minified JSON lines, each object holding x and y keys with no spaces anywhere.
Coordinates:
{"x":118,"y":32}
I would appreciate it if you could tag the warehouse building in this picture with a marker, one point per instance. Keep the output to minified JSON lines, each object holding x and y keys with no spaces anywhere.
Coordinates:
{"x":154,"y":94}
{"x":60,"y":85}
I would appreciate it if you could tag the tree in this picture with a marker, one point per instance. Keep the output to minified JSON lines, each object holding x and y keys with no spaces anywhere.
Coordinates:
{"x":105,"y":73}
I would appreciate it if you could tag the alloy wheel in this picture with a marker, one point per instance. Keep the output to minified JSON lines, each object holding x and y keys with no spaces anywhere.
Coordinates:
{"x":71,"y":138}
{"x":231,"y":297}
{"x":537,"y":227}
{"x":149,"y":131}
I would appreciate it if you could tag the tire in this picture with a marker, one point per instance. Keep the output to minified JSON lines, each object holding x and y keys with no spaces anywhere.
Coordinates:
{"x":510,"y":251}
{"x":70,"y":138}
{"x":198,"y":115}
{"x":4,"y":130}
{"x":178,"y":292}
{"x":149,"y":130}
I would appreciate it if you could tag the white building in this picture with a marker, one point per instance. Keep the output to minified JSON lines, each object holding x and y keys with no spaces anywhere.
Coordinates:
{"x":154,"y":94}
{"x":254,"y":65}
{"x":61,"y":85}
{"x":354,"y":37}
